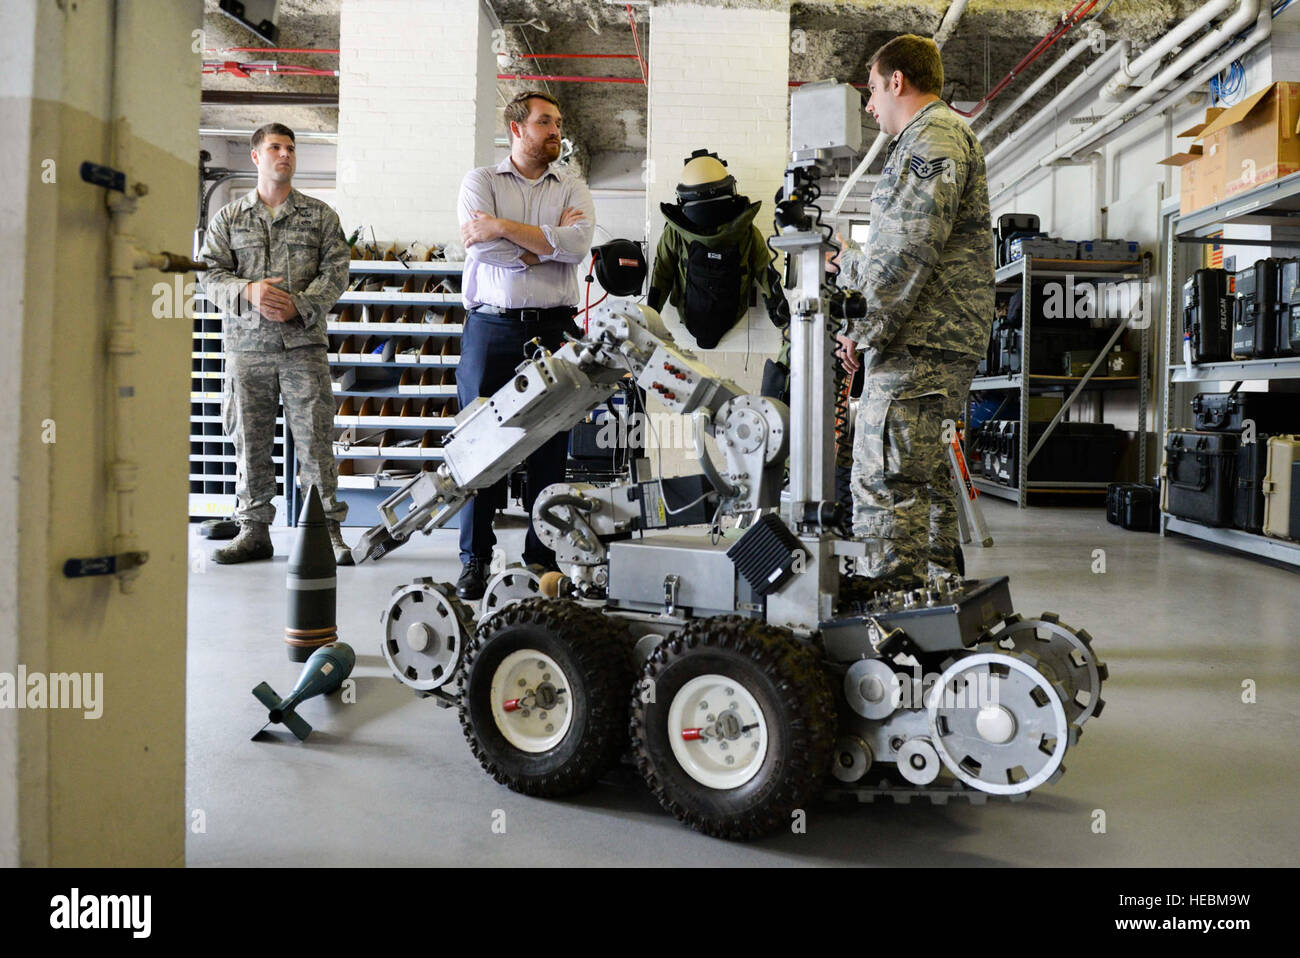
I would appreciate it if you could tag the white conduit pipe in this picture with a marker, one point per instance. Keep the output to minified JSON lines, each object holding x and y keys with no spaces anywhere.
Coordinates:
{"x":1153,"y":54}
{"x":946,"y":28}
{"x":1217,"y":38}
{"x":123,"y":468}
{"x":1048,"y":75}
{"x":1090,"y":75}
{"x":949,"y":23}
{"x":1263,"y":27}
{"x":1246,"y":10}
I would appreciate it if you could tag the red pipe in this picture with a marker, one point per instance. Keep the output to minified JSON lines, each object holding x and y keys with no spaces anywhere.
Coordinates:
{"x":568,"y":79}
{"x":269,"y":50}
{"x":1068,"y":21}
{"x":637,"y":39}
{"x":245,"y":69}
{"x":577,"y":56}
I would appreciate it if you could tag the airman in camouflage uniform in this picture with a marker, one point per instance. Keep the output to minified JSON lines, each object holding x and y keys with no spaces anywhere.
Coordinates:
{"x":927,"y":274}
{"x":303,"y":243}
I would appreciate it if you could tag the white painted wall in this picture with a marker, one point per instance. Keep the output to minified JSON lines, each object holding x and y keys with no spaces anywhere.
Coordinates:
{"x":719,"y":79}
{"x":76,"y":791}
{"x":417,"y":110}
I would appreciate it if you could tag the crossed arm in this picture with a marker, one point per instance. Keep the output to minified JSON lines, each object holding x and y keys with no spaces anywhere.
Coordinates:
{"x":483,"y":227}
{"x":510,"y":244}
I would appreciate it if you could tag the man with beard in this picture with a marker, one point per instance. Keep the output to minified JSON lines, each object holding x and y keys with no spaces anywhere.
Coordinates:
{"x":526,"y":224}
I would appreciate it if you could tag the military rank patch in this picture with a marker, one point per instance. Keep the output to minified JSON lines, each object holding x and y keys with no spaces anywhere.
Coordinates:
{"x":927,"y":169}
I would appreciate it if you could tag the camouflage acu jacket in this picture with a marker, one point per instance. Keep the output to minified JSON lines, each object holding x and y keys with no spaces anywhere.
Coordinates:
{"x":304,"y":244}
{"x":927,"y":267}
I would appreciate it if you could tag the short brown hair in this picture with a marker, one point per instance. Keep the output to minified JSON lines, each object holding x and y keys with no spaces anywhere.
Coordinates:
{"x":278,"y":129}
{"x":518,"y":109}
{"x":917,"y":58}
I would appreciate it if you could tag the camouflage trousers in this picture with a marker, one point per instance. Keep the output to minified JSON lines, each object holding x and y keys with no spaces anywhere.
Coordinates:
{"x":255,"y":383}
{"x":903,"y":498}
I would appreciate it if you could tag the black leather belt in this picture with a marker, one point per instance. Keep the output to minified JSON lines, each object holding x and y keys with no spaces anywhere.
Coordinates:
{"x":554,"y":314}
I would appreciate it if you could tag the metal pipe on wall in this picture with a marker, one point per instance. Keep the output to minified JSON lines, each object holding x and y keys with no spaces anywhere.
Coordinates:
{"x":1259,"y":33}
{"x":1128,"y":72}
{"x":1064,"y":60}
{"x":1090,"y":75}
{"x":123,"y":468}
{"x":1246,"y":12}
{"x":1109,"y":128}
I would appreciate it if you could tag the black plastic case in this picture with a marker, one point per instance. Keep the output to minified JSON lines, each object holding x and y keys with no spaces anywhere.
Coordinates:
{"x":1254,"y":328}
{"x":1248,"y":488}
{"x":1229,"y":412}
{"x":1198,"y":475}
{"x":1207,"y":315}
{"x":1132,"y":505}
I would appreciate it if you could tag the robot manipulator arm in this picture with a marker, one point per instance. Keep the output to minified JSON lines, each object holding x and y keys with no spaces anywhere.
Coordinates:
{"x":552,"y":392}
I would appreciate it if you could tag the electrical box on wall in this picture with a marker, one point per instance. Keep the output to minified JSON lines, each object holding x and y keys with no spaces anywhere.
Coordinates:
{"x":260,"y":16}
{"x":825,"y":116}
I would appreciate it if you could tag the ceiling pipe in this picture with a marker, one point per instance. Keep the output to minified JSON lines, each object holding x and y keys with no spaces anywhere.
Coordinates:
{"x":306,"y":136}
{"x":1064,"y":60}
{"x":576,"y":56}
{"x":947,"y":26}
{"x":1110,"y":128}
{"x":277,"y":98}
{"x":569,"y":79}
{"x":1246,"y":12}
{"x":1092,"y":74}
{"x":636,"y":38}
{"x":1262,"y":29}
{"x":1069,"y":20}
{"x":1128,"y":72}
{"x":270,"y":50}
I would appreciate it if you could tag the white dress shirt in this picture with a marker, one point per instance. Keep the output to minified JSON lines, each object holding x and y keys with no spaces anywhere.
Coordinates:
{"x":494,"y":275}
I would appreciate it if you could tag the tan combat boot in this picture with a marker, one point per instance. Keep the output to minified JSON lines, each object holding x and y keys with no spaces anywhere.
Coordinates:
{"x":252,"y":543}
{"x":342,"y":551}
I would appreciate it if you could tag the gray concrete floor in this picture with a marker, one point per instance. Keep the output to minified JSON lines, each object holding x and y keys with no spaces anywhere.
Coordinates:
{"x":1184,"y":771}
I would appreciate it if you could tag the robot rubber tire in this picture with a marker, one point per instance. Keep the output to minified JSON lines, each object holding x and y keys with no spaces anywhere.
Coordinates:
{"x":733,"y":726}
{"x":543,"y":696}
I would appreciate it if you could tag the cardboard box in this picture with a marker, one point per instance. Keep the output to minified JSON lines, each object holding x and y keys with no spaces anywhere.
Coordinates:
{"x":1261,"y":135}
{"x":1203,"y":165}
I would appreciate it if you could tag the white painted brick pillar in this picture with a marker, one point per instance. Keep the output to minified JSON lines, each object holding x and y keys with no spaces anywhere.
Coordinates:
{"x":417,"y":111}
{"x":719,"y":79}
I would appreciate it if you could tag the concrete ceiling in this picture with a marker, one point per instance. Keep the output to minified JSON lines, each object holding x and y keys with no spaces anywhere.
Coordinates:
{"x":840,"y":36}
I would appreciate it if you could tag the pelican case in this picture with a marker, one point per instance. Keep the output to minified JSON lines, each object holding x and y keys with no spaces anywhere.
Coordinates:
{"x":1074,"y":452}
{"x":1271,"y":413}
{"x":1254,"y":329}
{"x":1207,"y":315}
{"x":1295,"y":503}
{"x":1292,"y":310}
{"x":1288,"y":274}
{"x":1198,"y":475}
{"x":1011,"y":226}
{"x":1248,"y":486}
{"x":1132,"y":505}
{"x":1283,"y":454}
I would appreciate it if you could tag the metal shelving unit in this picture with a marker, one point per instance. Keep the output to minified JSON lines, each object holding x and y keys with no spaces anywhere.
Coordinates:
{"x":371,"y":463}
{"x":1275,"y":204}
{"x":212,"y":457}
{"x":1022,"y":272}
